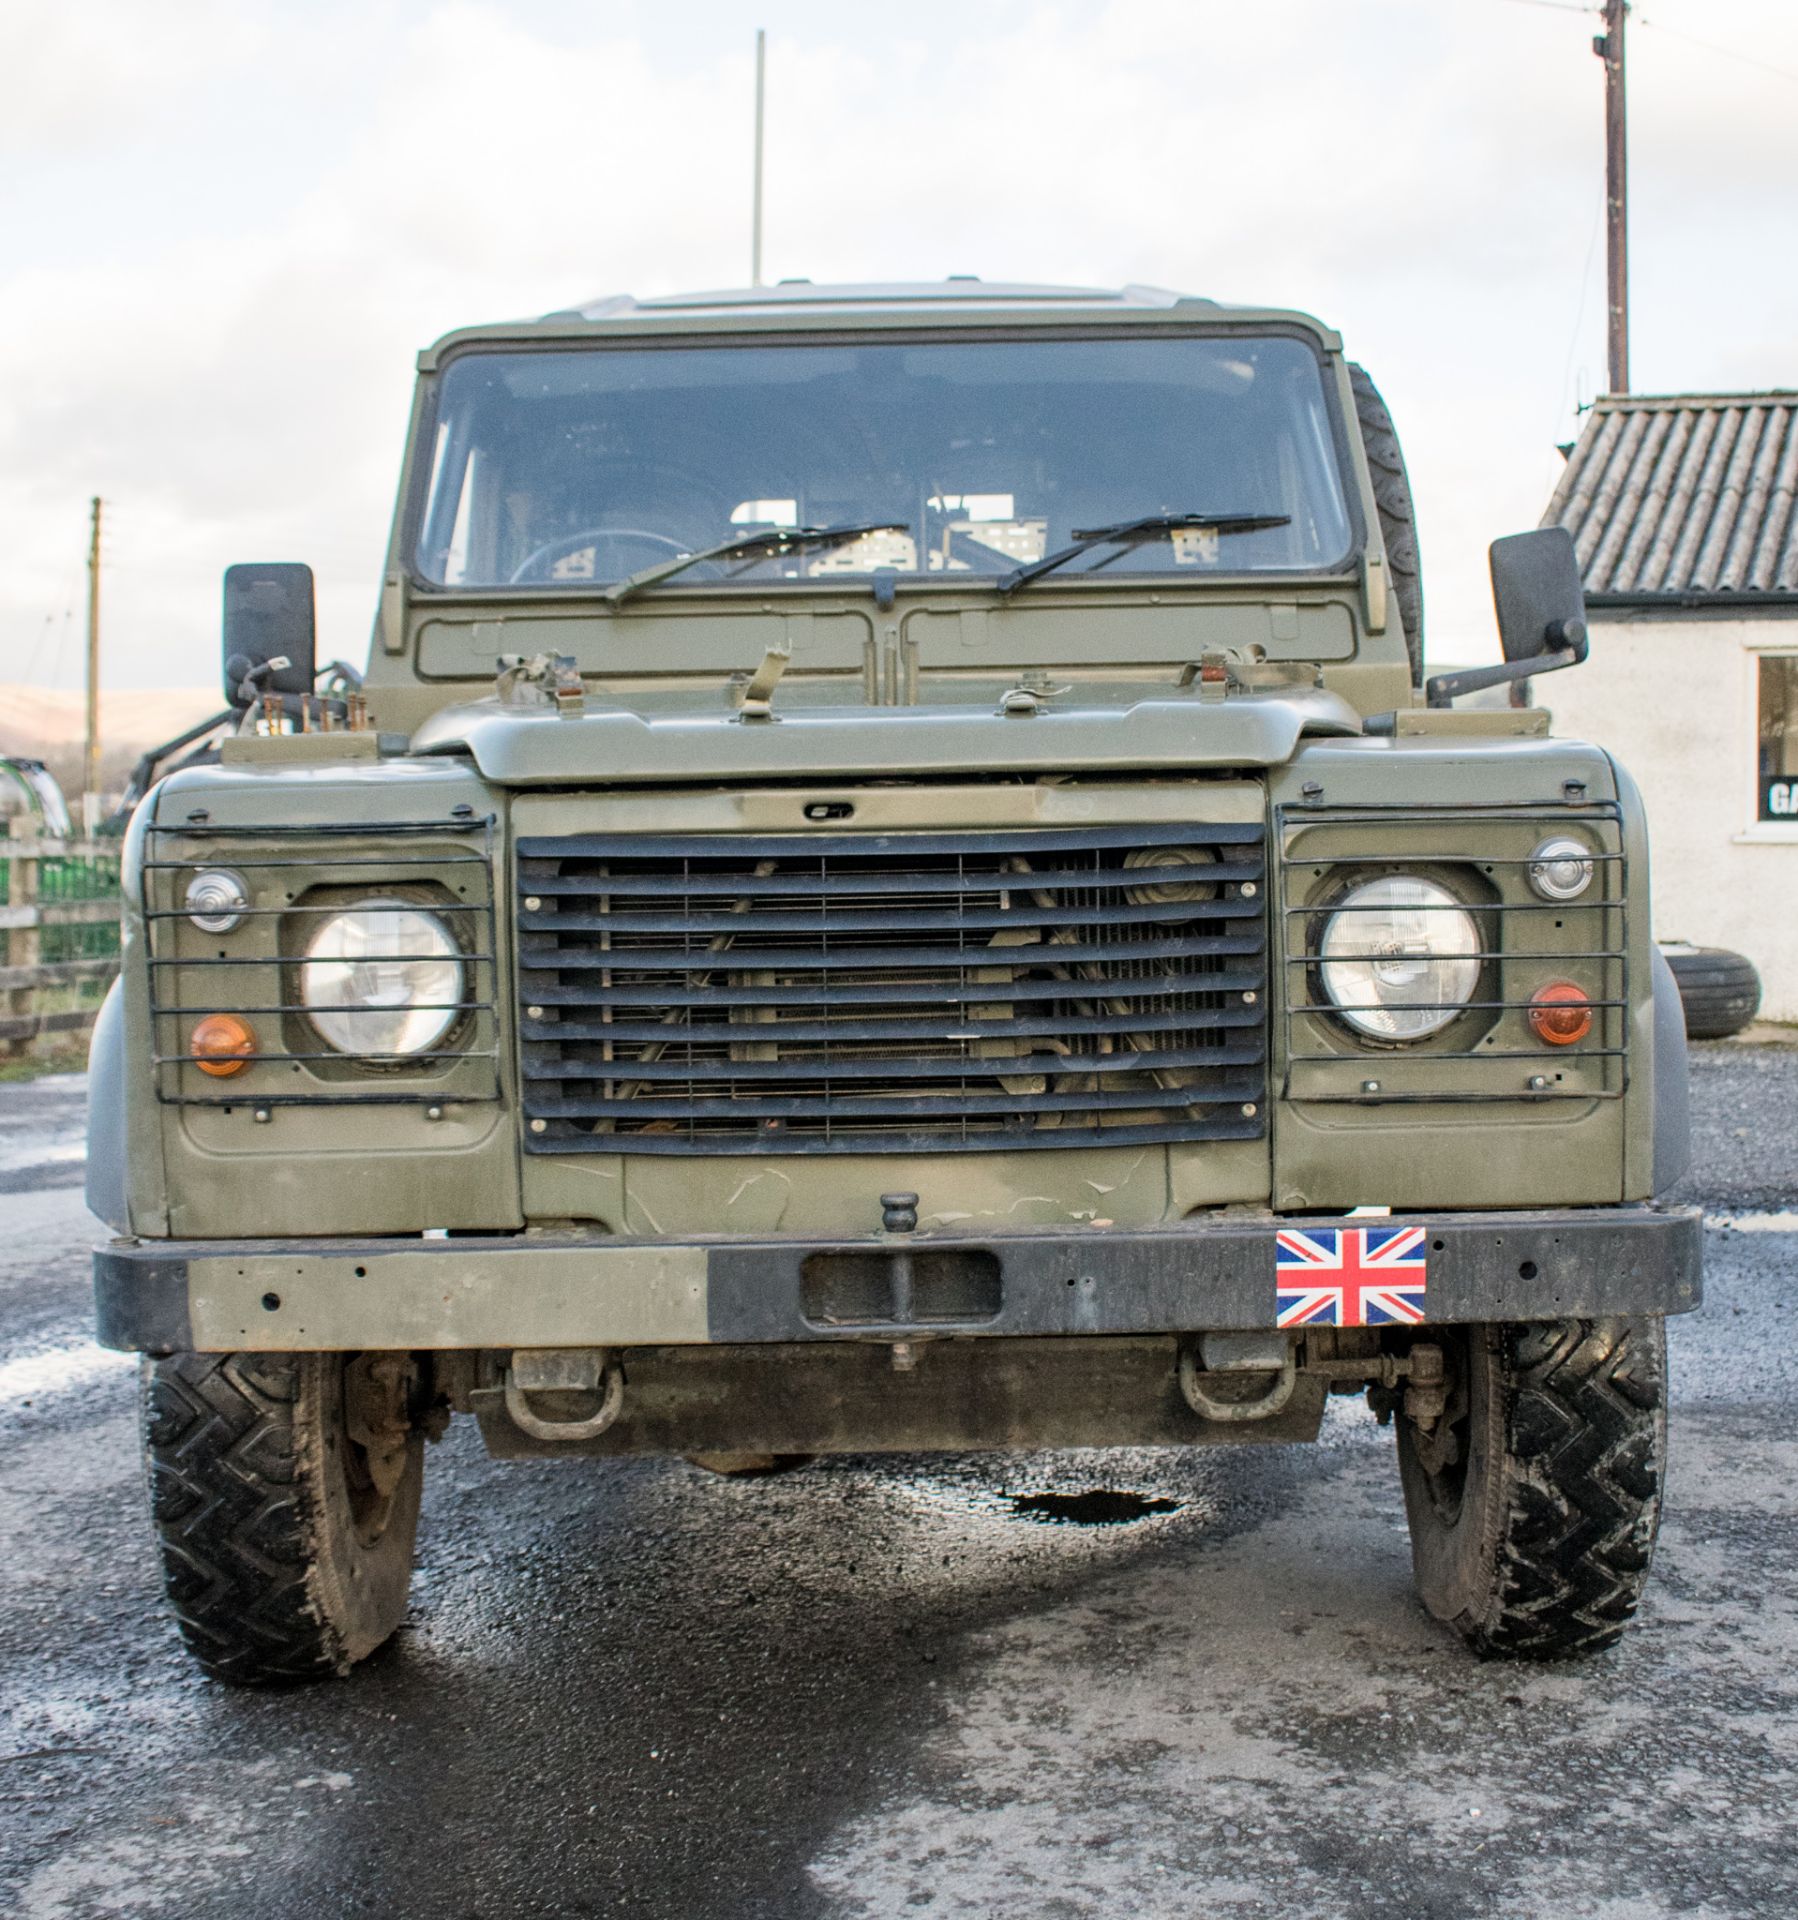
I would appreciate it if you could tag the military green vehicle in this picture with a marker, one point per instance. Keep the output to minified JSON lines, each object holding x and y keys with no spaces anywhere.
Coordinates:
{"x":895,"y":882}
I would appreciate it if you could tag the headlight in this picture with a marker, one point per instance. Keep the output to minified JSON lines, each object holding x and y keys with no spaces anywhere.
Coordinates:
{"x":1398,"y":957}
{"x":382,"y":980}
{"x":1561,"y":869}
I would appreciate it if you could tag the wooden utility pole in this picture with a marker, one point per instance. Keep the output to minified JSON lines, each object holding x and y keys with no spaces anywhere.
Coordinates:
{"x":1609,"y":48}
{"x":755,"y":243}
{"x":90,"y":777}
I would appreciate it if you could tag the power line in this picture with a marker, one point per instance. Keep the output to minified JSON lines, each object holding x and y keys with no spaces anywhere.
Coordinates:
{"x":37,"y":647}
{"x":1672,"y":33}
{"x":1710,"y":46}
{"x":1579,"y":319}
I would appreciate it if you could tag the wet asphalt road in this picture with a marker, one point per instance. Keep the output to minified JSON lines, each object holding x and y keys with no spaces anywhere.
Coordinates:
{"x":872,"y":1688}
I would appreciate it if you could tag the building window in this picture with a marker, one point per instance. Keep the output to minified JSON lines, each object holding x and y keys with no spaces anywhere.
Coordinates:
{"x":1778,"y":738}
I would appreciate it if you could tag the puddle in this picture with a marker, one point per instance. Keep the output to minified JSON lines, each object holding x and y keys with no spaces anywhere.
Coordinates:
{"x":1099,"y":1507}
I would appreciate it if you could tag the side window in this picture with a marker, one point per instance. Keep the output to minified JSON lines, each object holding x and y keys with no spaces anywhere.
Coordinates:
{"x":1777,"y":745}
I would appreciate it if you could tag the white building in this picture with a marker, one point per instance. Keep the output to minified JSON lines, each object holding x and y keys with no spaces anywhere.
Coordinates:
{"x":1682,"y":508}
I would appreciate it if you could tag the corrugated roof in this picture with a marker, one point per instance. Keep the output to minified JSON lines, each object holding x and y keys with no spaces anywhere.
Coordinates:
{"x":1685,"y":498}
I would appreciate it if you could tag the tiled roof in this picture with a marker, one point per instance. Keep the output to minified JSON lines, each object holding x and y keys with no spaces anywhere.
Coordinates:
{"x":1687,"y":499}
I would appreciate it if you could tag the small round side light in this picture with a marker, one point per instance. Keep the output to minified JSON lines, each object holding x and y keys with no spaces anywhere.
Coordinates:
{"x":1560,"y":1015}
{"x":222,"y":1044}
{"x":216,"y":899}
{"x":1561,"y":869}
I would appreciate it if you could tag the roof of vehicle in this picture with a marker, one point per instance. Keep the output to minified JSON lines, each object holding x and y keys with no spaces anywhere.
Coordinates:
{"x":1684,"y":499}
{"x":963,"y":299}
{"x":960,"y":292}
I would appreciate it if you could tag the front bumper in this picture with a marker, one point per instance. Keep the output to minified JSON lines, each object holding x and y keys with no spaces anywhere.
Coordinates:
{"x":540,"y":1290}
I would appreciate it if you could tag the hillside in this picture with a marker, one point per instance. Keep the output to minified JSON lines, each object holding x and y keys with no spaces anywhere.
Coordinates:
{"x":49,"y":724}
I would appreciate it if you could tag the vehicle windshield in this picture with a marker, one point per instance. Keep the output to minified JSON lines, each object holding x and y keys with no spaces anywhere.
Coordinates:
{"x":569,"y":468}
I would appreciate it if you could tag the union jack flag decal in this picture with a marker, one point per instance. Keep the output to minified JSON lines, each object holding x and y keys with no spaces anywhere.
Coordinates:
{"x":1350,"y":1276}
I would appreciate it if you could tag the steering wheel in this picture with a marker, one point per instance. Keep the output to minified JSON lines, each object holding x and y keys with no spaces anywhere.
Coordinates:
{"x":534,"y":566}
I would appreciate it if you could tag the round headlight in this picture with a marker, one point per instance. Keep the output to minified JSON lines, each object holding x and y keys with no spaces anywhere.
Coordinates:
{"x":1399,"y":957}
{"x":381,"y":981}
{"x":1561,"y":869}
{"x":216,"y":899}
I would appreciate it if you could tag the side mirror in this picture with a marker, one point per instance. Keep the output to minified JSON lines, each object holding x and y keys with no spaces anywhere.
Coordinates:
{"x":271,"y":634}
{"x":1537,"y":593}
{"x":1541,"y":609}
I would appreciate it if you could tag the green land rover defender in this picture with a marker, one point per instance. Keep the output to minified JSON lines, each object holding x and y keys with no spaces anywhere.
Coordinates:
{"x":894,"y":882}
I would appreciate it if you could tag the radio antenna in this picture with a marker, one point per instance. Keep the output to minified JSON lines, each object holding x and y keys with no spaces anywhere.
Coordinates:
{"x":755,"y":244}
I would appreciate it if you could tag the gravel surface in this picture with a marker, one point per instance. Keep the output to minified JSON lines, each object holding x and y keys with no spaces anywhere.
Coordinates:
{"x":898,"y":1687}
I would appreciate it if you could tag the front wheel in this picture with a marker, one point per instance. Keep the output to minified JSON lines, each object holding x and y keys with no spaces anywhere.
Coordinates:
{"x":284,"y":1490}
{"x":1533,"y":1501}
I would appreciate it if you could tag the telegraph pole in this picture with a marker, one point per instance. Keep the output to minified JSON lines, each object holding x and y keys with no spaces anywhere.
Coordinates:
{"x":755,"y":245}
{"x":1609,"y":48}
{"x":90,"y":777}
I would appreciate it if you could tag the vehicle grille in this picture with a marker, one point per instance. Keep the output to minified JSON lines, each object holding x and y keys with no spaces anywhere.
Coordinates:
{"x":854,"y":993}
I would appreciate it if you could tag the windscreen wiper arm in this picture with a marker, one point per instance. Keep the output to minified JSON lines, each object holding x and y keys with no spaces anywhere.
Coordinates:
{"x":1129,"y":532}
{"x":770,"y":540}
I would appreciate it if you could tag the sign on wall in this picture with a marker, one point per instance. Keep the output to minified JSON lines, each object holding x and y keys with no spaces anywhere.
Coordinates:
{"x":1778,"y":741}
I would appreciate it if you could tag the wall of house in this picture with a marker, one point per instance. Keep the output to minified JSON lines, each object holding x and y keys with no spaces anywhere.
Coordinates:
{"x":1675,"y":698}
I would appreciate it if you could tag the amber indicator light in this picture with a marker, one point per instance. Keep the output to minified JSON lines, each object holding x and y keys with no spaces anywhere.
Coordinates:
{"x":1560,"y":1014}
{"x":222,"y":1044}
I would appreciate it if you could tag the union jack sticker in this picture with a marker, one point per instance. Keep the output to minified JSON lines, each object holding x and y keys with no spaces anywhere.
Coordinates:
{"x":1350,"y":1276}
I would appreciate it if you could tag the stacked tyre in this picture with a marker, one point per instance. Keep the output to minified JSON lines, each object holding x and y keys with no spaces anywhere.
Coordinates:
{"x":1719,"y":990}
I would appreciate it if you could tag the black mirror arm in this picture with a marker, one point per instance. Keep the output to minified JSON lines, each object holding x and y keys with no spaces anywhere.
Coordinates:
{"x":1443,"y":688}
{"x":143,"y":775}
{"x":250,"y":680}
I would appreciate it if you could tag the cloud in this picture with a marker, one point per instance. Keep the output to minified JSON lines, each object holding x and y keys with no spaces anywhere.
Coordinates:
{"x":92,"y":77}
{"x":277,"y":205}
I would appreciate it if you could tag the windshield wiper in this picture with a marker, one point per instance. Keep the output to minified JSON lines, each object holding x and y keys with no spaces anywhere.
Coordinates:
{"x":771,"y":540}
{"x":1130,"y":532}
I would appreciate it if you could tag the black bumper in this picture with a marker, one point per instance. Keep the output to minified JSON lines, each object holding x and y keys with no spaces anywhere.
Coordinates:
{"x":1205,"y":1274}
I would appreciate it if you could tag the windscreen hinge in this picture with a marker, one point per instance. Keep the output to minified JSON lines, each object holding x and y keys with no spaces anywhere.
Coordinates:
{"x":1373,"y":590}
{"x":390,"y":621}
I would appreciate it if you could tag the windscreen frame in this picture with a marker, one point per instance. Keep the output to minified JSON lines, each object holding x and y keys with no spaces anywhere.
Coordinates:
{"x":423,"y":461}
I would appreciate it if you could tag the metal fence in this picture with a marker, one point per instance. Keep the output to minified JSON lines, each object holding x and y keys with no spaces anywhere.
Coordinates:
{"x":59,"y":918}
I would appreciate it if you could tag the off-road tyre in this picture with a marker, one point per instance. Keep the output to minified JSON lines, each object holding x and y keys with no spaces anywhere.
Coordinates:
{"x":1536,"y":1544}
{"x":1720,"y":991}
{"x":1398,"y":514}
{"x":281,"y":1561}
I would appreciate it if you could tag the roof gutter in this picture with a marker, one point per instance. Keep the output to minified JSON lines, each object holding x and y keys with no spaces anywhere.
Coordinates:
{"x":1746,"y":600}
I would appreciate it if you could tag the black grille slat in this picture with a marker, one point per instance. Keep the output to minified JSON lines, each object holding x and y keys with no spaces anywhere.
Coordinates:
{"x":877,"y":1066}
{"x":894,"y":920}
{"x":1034,"y":841}
{"x":818,"y":1032}
{"x":857,"y":993}
{"x":539,"y":957}
{"x":891,"y":1106}
{"x":850,"y":885}
{"x":543,"y":988}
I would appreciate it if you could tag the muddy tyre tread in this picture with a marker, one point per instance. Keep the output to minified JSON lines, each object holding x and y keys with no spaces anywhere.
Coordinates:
{"x":1397,"y":509}
{"x":1585,"y":1421}
{"x":237,"y":1516}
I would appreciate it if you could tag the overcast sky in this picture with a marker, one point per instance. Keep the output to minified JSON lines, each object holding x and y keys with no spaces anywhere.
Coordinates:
{"x":227,"y":228}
